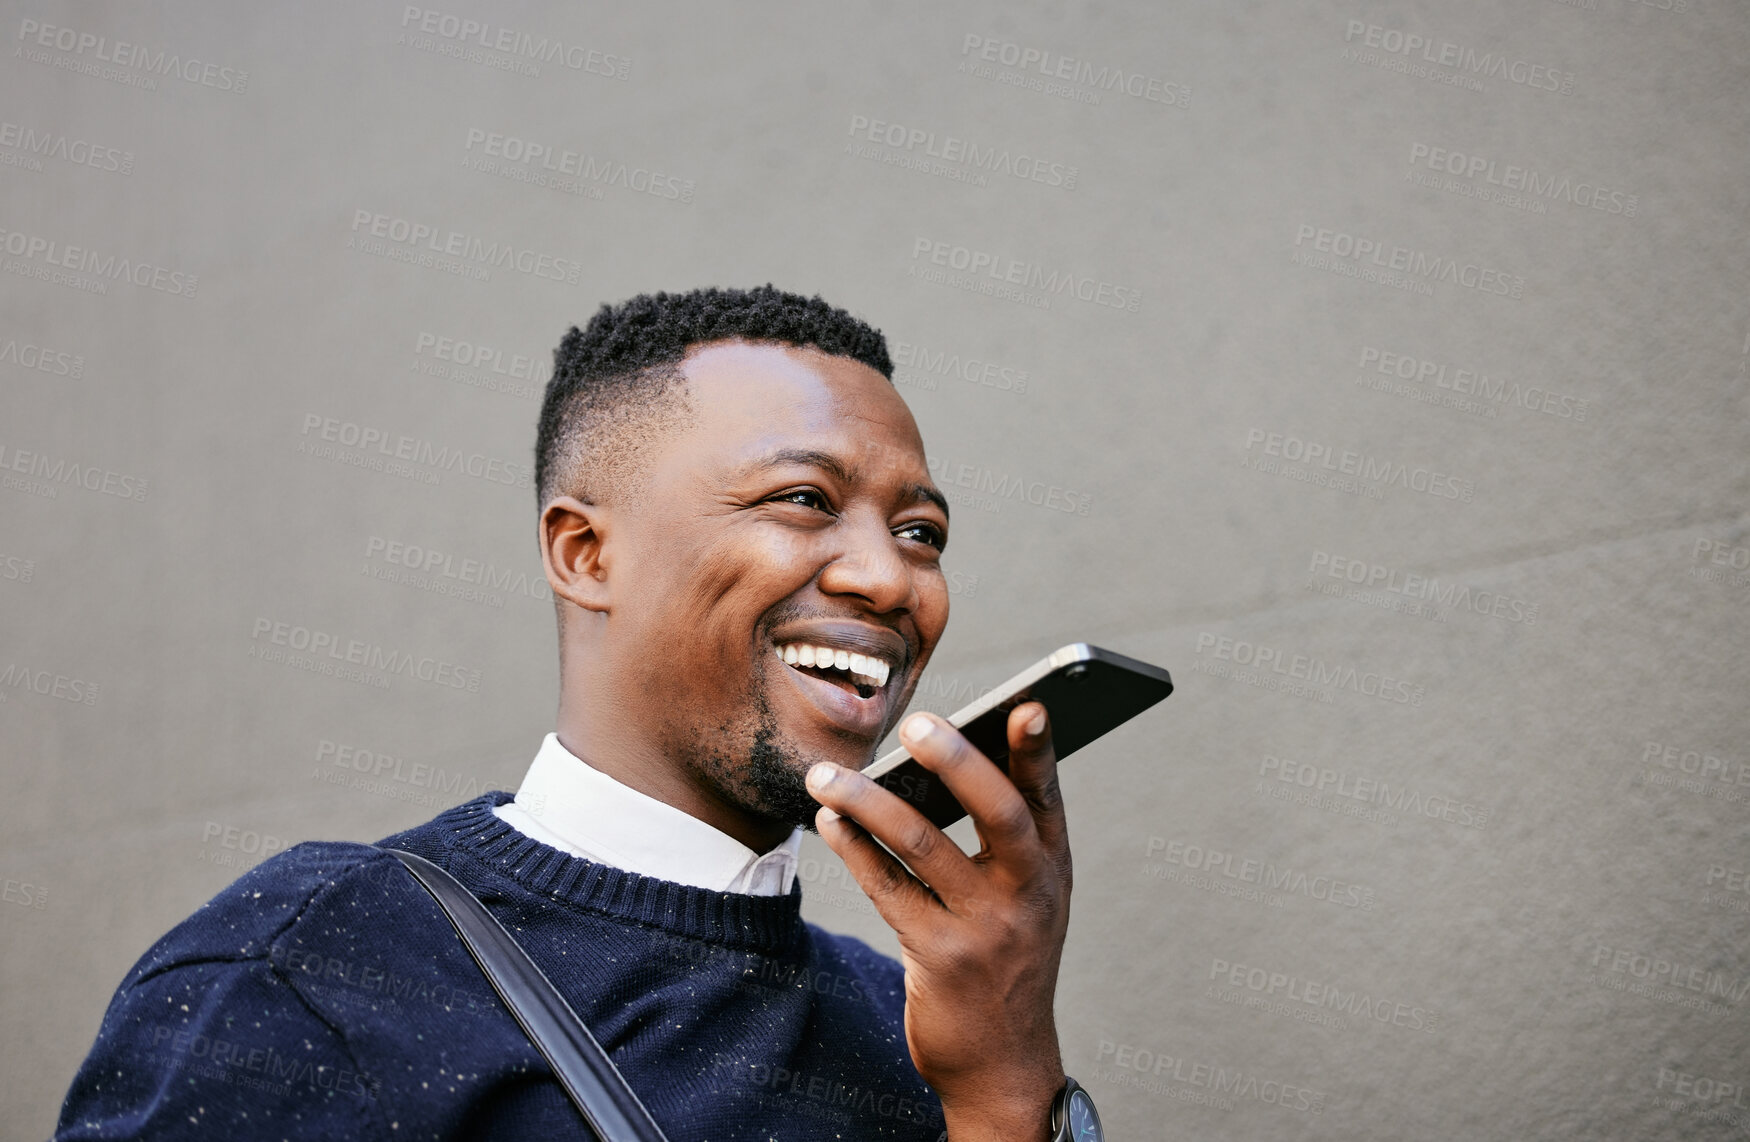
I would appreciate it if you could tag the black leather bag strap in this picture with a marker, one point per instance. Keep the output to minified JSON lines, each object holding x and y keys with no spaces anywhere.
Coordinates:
{"x":595,"y":1085}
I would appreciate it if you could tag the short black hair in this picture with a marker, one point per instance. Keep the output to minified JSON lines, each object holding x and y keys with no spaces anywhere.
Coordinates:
{"x":616,"y":383}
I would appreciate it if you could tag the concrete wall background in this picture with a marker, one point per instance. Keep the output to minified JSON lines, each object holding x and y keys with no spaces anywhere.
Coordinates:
{"x":1543,"y":663}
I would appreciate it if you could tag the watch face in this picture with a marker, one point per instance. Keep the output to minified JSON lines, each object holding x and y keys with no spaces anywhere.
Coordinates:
{"x":1084,"y":1121}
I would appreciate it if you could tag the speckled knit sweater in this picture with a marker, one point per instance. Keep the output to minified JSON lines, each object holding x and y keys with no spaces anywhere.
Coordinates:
{"x":324,"y":995}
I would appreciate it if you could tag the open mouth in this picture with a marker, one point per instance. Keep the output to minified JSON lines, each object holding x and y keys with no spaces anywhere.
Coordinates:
{"x":856,"y":674}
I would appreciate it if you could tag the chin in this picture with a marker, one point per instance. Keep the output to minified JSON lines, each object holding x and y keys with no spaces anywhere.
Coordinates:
{"x":778,"y":764}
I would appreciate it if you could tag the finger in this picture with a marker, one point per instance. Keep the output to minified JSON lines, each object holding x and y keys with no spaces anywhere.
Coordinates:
{"x":901,"y":898}
{"x":1033,"y":770}
{"x":1005,"y":824}
{"x":898,"y":896}
{"x":913,"y":838}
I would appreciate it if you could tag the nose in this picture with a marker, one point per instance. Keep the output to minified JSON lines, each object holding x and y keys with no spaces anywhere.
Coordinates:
{"x":870,"y":565}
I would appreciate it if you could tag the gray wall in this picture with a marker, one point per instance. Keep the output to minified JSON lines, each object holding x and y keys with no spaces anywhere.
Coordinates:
{"x":1403,"y":419}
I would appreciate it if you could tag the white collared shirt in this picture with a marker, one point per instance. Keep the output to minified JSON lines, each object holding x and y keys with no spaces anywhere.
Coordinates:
{"x":565,"y":803}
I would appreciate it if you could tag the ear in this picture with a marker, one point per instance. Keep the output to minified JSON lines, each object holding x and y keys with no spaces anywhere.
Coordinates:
{"x":573,"y":536}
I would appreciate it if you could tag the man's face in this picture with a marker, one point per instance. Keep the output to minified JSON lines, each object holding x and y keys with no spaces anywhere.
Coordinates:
{"x":795,"y":511}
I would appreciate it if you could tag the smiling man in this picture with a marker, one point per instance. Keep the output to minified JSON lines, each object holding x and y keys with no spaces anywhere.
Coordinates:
{"x":744,"y":546}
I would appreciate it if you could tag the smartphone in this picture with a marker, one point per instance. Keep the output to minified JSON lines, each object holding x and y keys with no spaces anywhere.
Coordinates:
{"x":1086,"y":690}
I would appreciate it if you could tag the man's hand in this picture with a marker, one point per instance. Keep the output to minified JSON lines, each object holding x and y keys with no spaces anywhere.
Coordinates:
{"x":981,"y":937}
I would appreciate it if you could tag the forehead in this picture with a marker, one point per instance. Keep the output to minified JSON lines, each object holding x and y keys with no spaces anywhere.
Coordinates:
{"x":754,"y":399}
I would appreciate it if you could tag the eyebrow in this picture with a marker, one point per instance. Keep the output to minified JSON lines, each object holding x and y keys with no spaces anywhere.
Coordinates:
{"x":916,"y":493}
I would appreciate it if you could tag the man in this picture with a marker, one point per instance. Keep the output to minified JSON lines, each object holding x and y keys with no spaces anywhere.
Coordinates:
{"x":744,"y":547}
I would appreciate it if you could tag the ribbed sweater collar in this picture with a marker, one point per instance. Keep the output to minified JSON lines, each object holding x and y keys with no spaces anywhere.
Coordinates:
{"x":766,"y":924}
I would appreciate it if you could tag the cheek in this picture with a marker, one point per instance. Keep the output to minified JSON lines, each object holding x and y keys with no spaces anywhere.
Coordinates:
{"x":724,"y":590}
{"x":932,"y":613}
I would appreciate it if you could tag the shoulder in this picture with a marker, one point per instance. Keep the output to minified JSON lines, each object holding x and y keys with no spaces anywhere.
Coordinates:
{"x":205,"y":1036}
{"x":251,"y":914}
{"x":299,"y":894}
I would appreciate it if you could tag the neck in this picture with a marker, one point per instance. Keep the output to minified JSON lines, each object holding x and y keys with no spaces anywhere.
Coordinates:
{"x":613,"y":745}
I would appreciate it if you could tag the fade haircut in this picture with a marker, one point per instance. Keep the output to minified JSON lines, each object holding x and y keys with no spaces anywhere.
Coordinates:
{"x":617,"y":385}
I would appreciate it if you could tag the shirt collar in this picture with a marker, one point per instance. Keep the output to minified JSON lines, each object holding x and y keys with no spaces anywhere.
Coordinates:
{"x":565,"y":803}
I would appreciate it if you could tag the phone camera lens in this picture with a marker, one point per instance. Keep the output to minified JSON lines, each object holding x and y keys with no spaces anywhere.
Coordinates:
{"x":1079,"y":670}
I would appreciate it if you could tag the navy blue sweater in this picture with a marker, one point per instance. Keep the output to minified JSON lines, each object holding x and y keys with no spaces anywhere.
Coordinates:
{"x":324,"y":995}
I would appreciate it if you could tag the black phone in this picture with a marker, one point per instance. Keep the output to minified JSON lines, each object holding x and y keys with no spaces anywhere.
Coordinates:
{"x":1086,"y":690}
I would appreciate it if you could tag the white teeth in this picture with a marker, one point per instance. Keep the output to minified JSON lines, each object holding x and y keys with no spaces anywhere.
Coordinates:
{"x":864,"y":667}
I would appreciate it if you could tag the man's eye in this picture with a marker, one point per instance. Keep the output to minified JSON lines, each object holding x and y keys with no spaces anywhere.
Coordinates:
{"x":807,"y":497}
{"x":926,"y":532}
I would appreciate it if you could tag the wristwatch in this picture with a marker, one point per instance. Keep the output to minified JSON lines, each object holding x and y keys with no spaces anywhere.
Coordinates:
{"x":1073,"y":1117}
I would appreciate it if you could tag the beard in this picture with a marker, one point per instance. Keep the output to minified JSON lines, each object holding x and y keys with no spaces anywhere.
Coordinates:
{"x":753,"y":766}
{"x":776,"y":774}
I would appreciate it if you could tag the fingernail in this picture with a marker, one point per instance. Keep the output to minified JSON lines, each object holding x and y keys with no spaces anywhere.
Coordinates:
{"x":824,"y":814}
{"x":1036,"y":725}
{"x":917,"y":728}
{"x":821,"y":775}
